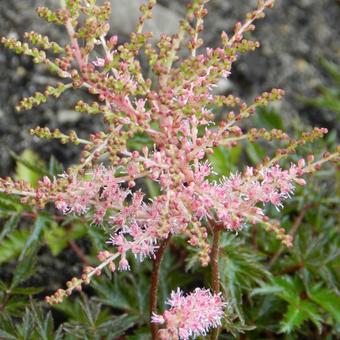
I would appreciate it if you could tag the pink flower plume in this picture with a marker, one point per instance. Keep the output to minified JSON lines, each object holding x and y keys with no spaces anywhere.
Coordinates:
{"x":190,"y":316}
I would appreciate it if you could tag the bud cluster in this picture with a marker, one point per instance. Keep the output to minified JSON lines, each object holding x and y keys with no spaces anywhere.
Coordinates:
{"x":71,"y":137}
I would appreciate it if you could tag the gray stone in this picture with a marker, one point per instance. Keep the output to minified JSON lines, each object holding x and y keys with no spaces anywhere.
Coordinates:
{"x":68,"y":116}
{"x":125,"y":16}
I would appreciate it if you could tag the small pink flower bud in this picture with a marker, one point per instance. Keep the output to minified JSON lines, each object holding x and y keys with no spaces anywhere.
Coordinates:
{"x":301,"y":163}
{"x":113,"y":41}
{"x":300,"y":181}
{"x":112,"y":267}
{"x":99,"y":62}
{"x":124,"y":264}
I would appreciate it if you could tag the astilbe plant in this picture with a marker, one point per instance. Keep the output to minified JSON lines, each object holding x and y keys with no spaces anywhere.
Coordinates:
{"x":174,"y":109}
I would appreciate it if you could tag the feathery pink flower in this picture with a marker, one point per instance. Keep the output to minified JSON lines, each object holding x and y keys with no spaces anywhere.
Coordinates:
{"x":100,"y":192}
{"x":190,"y":316}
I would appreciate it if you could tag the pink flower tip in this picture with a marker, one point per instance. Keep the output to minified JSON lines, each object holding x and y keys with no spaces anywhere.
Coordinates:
{"x":113,"y":40}
{"x":300,"y":181}
{"x":99,"y":62}
{"x":192,"y":315}
{"x":157,"y":319}
{"x":124,"y":264}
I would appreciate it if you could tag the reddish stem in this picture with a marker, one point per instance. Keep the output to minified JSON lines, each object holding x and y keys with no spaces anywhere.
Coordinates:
{"x":156,"y":264}
{"x":32,"y":215}
{"x":215,"y":274}
{"x":79,"y":252}
{"x":215,"y":252}
{"x":292,"y":269}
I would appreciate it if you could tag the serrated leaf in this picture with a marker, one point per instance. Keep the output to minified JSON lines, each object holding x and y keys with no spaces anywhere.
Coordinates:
{"x":229,"y":284}
{"x":10,"y":204}
{"x":16,"y":305}
{"x":293,"y":319}
{"x":112,"y":294}
{"x":70,"y":308}
{"x":33,"y":324}
{"x":266,"y":289}
{"x":26,"y":266}
{"x":328,"y":300}
{"x":290,"y":288}
{"x":28,"y":324}
{"x":6,"y":323}
{"x":235,"y":328}
{"x":13,"y":244}
{"x":40,"y":222}
{"x":9,"y":226}
{"x":297,"y":314}
{"x":44,"y":325}
{"x":47,"y":326}
{"x":93,"y":321}
{"x":97,"y":236}
{"x":58,"y":237}
{"x":240,"y":270}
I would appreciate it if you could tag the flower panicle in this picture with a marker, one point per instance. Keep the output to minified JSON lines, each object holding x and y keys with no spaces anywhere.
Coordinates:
{"x":190,"y":316}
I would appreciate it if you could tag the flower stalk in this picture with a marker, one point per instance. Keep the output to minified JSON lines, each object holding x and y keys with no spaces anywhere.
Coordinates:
{"x":215,"y":273}
{"x":156,"y":265}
